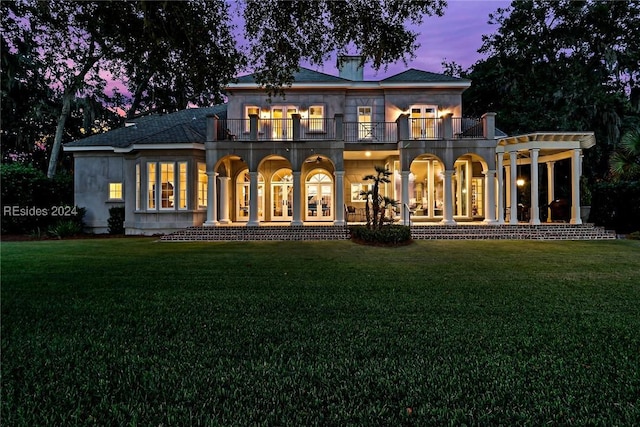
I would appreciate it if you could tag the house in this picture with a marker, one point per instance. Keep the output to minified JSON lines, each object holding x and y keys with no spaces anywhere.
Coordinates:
{"x":301,"y":158}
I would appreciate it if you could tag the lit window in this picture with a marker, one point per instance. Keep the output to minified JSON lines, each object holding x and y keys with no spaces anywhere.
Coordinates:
{"x":138,"y":186}
{"x":202,"y":185}
{"x":167,"y":180}
{"x":182,"y":198}
{"x":251,"y":110}
{"x":357,"y":189}
{"x":316,"y":118}
{"x":115,"y":190}
{"x":151,"y":185}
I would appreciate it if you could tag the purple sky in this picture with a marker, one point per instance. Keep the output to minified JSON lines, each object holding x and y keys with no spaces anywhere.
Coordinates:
{"x":455,"y":37}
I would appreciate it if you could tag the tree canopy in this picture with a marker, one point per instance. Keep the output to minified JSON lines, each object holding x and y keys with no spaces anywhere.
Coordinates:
{"x":168,"y":55}
{"x":561,"y":65}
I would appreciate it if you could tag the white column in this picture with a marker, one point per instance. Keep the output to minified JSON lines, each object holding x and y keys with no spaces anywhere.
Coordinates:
{"x":447,"y":218}
{"x":253,"y":200}
{"x":507,"y":199}
{"x":513,"y":190}
{"x":535,"y":196}
{"x":576,"y":167}
{"x":431,"y":194}
{"x":550,"y":187}
{"x":297,"y":198}
{"x":405,"y":197}
{"x":500,"y":192}
{"x":490,"y":197}
{"x":224,"y":199}
{"x":339,"y":202}
{"x":212,"y":207}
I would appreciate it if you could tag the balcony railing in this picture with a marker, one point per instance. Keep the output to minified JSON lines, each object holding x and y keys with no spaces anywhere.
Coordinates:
{"x":426,"y":128}
{"x":464,"y":127}
{"x":370,"y":132}
{"x":333,"y":129}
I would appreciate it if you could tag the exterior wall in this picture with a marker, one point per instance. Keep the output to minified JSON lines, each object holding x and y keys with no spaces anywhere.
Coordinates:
{"x":92,"y":175}
{"x":147,"y":221}
{"x":399,"y":101}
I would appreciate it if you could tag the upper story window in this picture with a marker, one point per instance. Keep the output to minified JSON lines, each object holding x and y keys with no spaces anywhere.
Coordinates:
{"x":250,"y":110}
{"x":366,"y":128}
{"x":316,"y":118}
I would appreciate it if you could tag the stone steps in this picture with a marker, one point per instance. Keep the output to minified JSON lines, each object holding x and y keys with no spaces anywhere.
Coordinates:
{"x":513,"y":232}
{"x":267,"y":232}
{"x":553,"y":231}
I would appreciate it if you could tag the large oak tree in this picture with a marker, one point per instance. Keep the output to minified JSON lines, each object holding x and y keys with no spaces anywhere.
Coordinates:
{"x":172,"y":54}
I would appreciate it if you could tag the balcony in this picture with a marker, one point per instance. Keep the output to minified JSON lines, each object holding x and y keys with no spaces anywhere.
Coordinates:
{"x":335,"y":129}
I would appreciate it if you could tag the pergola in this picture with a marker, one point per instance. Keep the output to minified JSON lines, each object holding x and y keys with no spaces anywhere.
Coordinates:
{"x":535,"y":149}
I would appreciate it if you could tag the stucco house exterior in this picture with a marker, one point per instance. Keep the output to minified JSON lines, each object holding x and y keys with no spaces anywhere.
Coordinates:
{"x":300,"y":158}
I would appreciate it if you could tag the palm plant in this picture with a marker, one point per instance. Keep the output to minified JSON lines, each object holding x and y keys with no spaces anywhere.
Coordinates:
{"x":375,"y":211}
{"x":625,"y":162}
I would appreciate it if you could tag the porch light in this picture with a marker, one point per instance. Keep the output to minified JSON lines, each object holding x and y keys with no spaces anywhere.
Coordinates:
{"x":520,"y":182}
{"x":367,"y":153}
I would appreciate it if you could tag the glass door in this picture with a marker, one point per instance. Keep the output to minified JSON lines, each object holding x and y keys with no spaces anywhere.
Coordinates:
{"x":282,"y":122}
{"x":243,"y":196}
{"x":319,"y":197}
{"x":282,"y":196}
{"x":423,"y":122}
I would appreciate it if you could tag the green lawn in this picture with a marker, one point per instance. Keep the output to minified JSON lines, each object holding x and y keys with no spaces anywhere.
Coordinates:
{"x":136,"y":332}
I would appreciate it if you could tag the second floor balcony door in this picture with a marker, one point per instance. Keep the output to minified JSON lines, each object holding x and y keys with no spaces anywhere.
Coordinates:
{"x":424,"y":122}
{"x":282,"y":122}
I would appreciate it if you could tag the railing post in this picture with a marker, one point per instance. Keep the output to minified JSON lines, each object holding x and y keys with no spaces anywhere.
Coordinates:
{"x":253,"y":127}
{"x":489,"y":125}
{"x":447,"y":126}
{"x":296,"y":126}
{"x":403,"y":127}
{"x":339,"y":127}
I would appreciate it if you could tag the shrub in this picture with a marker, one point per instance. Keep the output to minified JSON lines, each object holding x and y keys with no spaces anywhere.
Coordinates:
{"x":634,"y":236}
{"x":389,"y":235}
{"x":28,"y":197}
{"x":616,"y":205}
{"x":65,"y":228}
{"x":116,"y":220}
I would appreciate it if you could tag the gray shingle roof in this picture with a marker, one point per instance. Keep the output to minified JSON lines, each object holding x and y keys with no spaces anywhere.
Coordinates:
{"x":303,"y":75}
{"x":418,"y":76}
{"x":186,"y":126}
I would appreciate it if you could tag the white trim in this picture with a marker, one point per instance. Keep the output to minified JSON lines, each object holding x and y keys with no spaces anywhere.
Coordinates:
{"x":362,"y":85}
{"x":172,"y":146}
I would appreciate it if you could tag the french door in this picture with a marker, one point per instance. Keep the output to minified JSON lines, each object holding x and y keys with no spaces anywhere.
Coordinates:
{"x":282,"y":122}
{"x":424,"y":122}
{"x":282,"y":195}
{"x":319,"y":197}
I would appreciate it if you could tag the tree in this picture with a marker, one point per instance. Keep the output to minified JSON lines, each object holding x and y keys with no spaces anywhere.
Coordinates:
{"x":177,"y":53}
{"x":625,"y":161}
{"x":283,"y":33}
{"x":173,"y":54}
{"x":376,"y":211}
{"x":561,"y":65}
{"x":170,"y":53}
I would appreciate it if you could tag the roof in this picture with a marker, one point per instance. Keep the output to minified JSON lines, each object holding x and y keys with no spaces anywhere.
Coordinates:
{"x":303,"y":75}
{"x":418,"y":76}
{"x":185,"y":126}
{"x":411,"y":78}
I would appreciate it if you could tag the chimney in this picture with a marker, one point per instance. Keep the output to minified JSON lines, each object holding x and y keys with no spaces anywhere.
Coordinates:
{"x":349,"y":67}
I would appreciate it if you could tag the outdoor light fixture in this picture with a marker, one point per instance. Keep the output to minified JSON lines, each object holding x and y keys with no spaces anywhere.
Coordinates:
{"x":520,"y":182}
{"x":367,"y":153}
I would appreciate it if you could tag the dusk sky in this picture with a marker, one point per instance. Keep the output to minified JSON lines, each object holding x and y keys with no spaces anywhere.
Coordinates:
{"x":455,"y":37}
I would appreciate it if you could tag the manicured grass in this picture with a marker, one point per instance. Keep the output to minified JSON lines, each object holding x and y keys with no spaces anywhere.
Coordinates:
{"x":135,"y":332}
